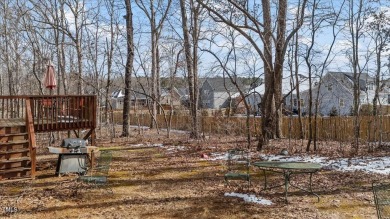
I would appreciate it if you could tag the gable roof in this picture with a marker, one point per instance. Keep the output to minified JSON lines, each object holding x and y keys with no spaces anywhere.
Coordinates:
{"x":117,"y":94}
{"x":288,"y":86}
{"x":225,"y":84}
{"x":363,"y":80}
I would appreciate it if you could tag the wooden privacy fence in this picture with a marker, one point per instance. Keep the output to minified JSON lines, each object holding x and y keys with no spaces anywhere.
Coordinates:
{"x":328,"y":128}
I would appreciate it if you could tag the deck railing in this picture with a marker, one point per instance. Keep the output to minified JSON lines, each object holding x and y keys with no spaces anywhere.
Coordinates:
{"x":52,"y":113}
{"x":12,"y":107}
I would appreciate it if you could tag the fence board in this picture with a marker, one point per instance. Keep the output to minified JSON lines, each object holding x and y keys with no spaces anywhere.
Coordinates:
{"x":328,"y":128}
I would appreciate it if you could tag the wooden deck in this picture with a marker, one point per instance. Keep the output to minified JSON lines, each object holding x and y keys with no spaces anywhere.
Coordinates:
{"x":43,"y":125}
{"x":50,"y":113}
{"x":22,"y":116}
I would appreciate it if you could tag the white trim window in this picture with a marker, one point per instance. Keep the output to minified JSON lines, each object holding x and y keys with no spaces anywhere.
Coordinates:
{"x":341,"y":103}
{"x":370,"y":86}
{"x":295,"y":102}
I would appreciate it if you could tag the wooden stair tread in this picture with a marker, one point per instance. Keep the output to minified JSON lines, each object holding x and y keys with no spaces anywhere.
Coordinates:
{"x":14,"y":134}
{"x":15,"y":160}
{"x":15,"y":179}
{"x":12,"y":123}
{"x":15,"y":151}
{"x":13,"y":142}
{"x":19,"y":169}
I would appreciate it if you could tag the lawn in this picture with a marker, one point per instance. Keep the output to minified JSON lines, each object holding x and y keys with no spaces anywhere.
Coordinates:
{"x":156,"y":177}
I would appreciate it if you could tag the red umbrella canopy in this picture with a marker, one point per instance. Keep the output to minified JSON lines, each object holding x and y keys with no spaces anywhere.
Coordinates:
{"x":50,"y":79}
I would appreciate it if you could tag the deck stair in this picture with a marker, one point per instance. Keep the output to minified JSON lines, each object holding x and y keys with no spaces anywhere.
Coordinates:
{"x":15,"y":150}
{"x":23,"y":116}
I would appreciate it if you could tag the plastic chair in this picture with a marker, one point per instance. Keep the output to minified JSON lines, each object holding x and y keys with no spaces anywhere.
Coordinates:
{"x":238,"y":165}
{"x":99,"y":174}
{"x":382,"y":199}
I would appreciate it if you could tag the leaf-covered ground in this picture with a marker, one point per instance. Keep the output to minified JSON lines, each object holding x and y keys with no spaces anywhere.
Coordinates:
{"x":155,"y":177}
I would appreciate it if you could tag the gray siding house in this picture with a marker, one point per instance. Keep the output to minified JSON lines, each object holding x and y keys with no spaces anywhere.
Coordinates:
{"x":216,"y":93}
{"x":117,"y":99}
{"x":255,"y":95}
{"x":336,"y":93}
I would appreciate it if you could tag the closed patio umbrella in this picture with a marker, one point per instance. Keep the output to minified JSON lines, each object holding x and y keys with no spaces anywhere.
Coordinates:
{"x":50,"y":83}
{"x":50,"y":79}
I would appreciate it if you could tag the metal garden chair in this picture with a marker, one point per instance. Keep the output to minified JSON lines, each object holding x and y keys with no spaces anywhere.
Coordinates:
{"x":382,"y":199}
{"x":99,"y":175}
{"x":238,"y":165}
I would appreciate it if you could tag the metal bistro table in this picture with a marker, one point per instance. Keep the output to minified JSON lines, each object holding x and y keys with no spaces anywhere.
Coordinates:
{"x":287,"y":169}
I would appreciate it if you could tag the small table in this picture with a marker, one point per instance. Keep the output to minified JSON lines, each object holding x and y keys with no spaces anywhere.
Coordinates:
{"x":287,"y":169}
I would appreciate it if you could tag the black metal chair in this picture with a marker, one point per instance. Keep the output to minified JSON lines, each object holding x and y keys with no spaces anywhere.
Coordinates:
{"x":238,"y":165}
{"x":99,"y":174}
{"x":382,"y":199}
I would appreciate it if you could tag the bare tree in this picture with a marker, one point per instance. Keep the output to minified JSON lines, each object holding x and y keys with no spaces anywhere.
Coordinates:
{"x":356,"y":16}
{"x":379,"y":30}
{"x":232,"y":59}
{"x":151,"y":8}
{"x":317,"y":61}
{"x":274,"y":43}
{"x":191,"y":42}
{"x":129,"y":68}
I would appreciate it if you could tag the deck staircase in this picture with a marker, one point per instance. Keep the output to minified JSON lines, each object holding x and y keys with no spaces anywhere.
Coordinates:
{"x":23,"y":116}
{"x":15,"y":150}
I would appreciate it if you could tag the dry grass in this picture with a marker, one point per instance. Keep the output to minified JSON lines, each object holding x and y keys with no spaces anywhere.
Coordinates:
{"x":161,"y":182}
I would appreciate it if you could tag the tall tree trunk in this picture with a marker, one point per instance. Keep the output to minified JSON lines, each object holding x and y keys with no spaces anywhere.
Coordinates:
{"x":110,"y":53}
{"x":297,"y":84}
{"x":279,"y":60}
{"x":268,"y":101}
{"x":154,"y":37}
{"x":62,"y":50}
{"x":355,"y":27}
{"x":192,"y":81}
{"x":129,"y":67}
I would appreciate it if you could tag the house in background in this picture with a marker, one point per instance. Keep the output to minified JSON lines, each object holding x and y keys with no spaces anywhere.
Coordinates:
{"x":117,"y":99}
{"x":255,"y":95}
{"x":168,"y":98}
{"x":136,"y":99}
{"x":335,"y":94}
{"x":216,"y":93}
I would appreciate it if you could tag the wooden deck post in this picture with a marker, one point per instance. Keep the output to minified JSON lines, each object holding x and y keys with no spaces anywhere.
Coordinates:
{"x":31,"y":137}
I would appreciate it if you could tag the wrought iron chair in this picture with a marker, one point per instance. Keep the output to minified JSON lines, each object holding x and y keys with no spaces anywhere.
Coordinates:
{"x":99,"y":174}
{"x":382,"y":199}
{"x":238,"y":165}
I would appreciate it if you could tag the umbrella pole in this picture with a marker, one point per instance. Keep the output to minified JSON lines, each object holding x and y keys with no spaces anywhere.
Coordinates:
{"x":51,"y":134}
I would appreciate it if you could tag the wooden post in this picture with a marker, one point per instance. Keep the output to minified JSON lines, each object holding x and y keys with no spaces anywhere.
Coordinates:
{"x":31,"y":137}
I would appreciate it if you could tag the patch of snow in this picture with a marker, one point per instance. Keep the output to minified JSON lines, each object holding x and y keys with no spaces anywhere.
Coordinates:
{"x":172,"y":130}
{"x":142,"y":127}
{"x":179,"y":131}
{"x":378,"y":165}
{"x":250,"y":198}
{"x":146,"y":145}
{"x":218,"y":156}
{"x":176,"y":148}
{"x":157,"y":145}
{"x":137,"y":145}
{"x":368,"y":164}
